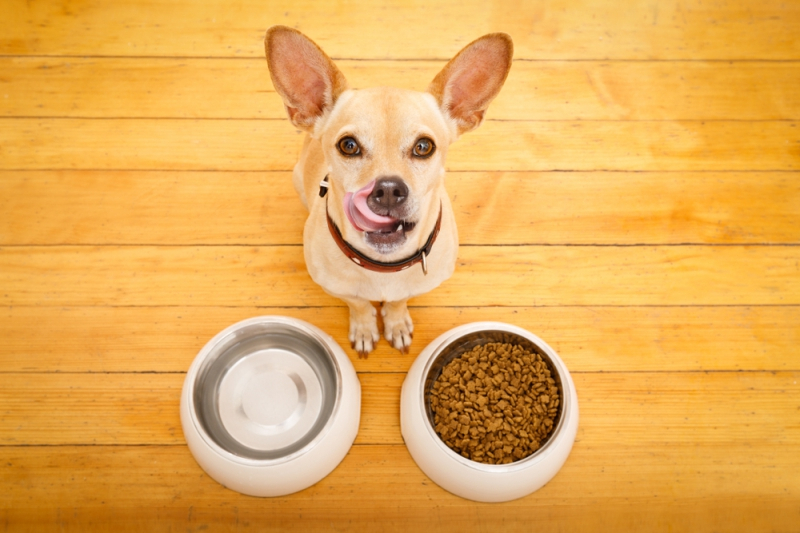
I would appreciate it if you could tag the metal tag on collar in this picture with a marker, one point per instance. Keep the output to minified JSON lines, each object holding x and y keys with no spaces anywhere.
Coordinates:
{"x":424,"y":264}
{"x":323,"y":187}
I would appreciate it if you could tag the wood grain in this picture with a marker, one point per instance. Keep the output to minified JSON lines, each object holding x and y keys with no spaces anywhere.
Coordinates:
{"x":551,"y":90}
{"x":99,"y":408}
{"x":632,"y":198}
{"x":108,"y":207}
{"x":172,"y":144}
{"x":661,"y":409}
{"x":276,"y":276}
{"x":619,"y":487}
{"x":588,"y":339}
{"x":555,"y":29}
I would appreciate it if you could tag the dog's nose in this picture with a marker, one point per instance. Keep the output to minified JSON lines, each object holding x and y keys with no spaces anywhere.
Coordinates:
{"x":389,"y":193}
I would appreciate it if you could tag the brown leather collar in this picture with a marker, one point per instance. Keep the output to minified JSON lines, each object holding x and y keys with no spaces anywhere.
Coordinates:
{"x":377,"y":266}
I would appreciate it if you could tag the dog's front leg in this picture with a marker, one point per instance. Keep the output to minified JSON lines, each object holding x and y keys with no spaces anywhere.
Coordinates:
{"x":364,"y":333}
{"x":397,"y":325}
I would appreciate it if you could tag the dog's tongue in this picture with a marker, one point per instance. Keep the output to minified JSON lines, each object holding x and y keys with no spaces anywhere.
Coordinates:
{"x":361,"y":216}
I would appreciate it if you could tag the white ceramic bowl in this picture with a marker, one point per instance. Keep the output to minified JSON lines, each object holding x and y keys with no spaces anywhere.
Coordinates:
{"x":270,"y":406}
{"x":459,"y":475}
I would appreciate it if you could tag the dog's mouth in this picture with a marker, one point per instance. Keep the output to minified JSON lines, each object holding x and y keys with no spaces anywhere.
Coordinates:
{"x":386,"y":241}
{"x":382,"y":232}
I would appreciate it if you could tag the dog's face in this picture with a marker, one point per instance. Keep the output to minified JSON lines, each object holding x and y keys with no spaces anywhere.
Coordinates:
{"x":385,"y":148}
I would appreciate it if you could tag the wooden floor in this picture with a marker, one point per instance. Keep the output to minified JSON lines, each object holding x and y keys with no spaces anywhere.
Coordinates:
{"x":633,"y":198}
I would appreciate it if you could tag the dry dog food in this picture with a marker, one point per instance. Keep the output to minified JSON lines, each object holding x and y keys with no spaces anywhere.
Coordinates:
{"x":495,"y":404}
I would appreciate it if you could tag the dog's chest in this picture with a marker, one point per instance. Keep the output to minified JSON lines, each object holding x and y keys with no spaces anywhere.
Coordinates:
{"x":338,"y":275}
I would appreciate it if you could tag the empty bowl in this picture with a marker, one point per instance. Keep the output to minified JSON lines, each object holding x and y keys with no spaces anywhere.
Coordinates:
{"x":270,"y":406}
{"x":466,"y":477}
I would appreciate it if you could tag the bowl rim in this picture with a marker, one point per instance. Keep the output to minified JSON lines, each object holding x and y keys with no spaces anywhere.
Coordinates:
{"x":201,"y":359}
{"x":555,"y":362}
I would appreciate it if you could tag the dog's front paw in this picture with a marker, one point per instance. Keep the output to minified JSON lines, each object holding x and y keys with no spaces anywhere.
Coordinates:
{"x":397,"y":325}
{"x":364,"y":333}
{"x":363,"y":338}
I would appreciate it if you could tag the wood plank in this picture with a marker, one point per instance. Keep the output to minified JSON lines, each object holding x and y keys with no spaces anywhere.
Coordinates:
{"x":491,"y":275}
{"x":163,"y":339}
{"x":177,"y":144}
{"x":107,"y":207}
{"x":378,"y":488}
{"x":660,"y":409}
{"x":90,"y":408}
{"x":556,"y":29}
{"x":559,"y":90}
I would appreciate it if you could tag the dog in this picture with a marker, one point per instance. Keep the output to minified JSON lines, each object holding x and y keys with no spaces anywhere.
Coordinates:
{"x":371,"y":174}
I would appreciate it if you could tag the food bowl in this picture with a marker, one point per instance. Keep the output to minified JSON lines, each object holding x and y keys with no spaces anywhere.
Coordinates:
{"x":270,"y":406}
{"x":465,"y":477}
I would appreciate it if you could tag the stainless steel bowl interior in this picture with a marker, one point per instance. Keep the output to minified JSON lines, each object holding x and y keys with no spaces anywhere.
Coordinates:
{"x":238,"y":345}
{"x":467,"y":342}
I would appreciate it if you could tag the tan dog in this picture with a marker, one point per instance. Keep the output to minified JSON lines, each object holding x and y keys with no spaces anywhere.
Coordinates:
{"x":371,"y":173}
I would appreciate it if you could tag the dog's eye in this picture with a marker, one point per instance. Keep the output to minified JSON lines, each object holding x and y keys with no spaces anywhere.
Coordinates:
{"x":424,"y":148}
{"x":349,"y":147}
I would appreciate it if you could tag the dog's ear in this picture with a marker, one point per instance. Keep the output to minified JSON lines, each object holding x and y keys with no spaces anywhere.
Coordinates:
{"x":303,"y":75}
{"x":470,"y":81}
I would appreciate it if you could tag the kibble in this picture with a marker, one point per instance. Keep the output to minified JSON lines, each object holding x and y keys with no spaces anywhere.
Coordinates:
{"x":496,"y":403}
